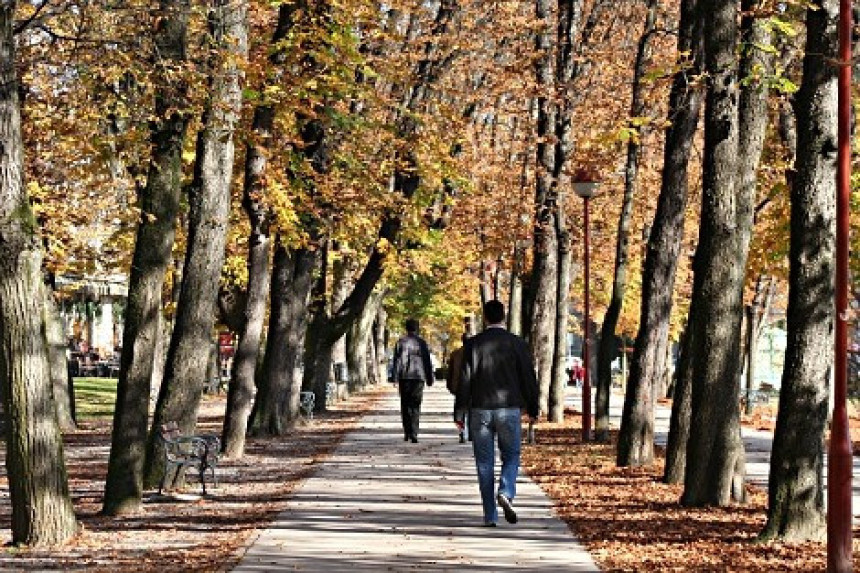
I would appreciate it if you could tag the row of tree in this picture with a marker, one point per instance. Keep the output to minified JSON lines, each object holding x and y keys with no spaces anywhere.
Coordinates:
{"x":302,"y":172}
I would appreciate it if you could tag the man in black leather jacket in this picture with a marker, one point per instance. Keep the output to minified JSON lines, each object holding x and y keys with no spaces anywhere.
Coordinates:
{"x":412,"y":369}
{"x":497,"y":382}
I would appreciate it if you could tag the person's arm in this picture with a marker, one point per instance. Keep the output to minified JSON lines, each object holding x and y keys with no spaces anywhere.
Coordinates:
{"x":528,"y":381}
{"x":395,"y":363}
{"x":464,"y":387}
{"x":428,"y":363}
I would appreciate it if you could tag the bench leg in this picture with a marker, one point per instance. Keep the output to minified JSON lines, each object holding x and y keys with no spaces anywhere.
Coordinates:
{"x":203,"y":477}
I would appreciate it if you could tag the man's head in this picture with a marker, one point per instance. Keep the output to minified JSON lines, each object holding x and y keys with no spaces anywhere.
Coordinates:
{"x":412,"y":326}
{"x":494,"y":312}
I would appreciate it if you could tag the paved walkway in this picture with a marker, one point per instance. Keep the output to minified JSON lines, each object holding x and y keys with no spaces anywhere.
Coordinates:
{"x":382,"y":504}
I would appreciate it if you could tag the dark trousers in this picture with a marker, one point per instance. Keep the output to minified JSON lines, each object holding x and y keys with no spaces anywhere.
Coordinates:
{"x":411,"y":394}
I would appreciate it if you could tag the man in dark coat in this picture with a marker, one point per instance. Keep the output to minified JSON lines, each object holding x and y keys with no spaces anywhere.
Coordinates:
{"x":497,"y":382}
{"x":412,"y":369}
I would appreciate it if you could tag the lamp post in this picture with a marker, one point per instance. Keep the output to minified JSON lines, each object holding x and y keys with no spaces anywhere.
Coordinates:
{"x":839,"y":463}
{"x":585,"y":185}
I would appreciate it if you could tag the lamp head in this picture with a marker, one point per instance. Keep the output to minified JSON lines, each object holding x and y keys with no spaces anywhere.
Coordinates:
{"x":585,"y":182}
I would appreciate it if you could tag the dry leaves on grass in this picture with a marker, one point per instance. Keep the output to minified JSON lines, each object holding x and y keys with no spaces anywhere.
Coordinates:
{"x":630,"y":521}
{"x":205,"y":534}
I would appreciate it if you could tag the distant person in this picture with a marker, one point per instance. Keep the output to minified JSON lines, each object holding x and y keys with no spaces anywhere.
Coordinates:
{"x":452,"y":381}
{"x":411,"y":370}
{"x":576,"y":373}
{"x":498,"y":381}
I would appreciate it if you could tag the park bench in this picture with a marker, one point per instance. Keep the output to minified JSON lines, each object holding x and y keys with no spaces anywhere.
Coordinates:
{"x":307,"y":402}
{"x":181,"y":452}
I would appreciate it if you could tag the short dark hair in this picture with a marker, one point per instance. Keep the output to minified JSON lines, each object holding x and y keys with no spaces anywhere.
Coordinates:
{"x":494,"y":311}
{"x":411,"y":325}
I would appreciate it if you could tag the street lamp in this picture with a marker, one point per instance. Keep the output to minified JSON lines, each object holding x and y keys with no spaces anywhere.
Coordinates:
{"x":585,"y":184}
{"x":839,"y":462}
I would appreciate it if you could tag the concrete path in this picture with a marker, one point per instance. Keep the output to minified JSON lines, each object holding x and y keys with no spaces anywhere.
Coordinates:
{"x":382,"y":504}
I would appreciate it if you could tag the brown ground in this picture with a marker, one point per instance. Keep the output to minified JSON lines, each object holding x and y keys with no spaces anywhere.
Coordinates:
{"x":626,"y":517}
{"x":205,"y":534}
{"x":630,"y":521}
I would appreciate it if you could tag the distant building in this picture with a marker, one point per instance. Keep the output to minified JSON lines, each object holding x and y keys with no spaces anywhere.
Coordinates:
{"x":92,"y":310}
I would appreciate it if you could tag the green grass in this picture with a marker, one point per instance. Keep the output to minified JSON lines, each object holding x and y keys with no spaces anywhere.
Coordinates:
{"x":95,"y":397}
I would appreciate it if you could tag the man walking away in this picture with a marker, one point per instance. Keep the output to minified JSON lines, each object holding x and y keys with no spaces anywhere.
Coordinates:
{"x":412,"y":369}
{"x":497,"y":381}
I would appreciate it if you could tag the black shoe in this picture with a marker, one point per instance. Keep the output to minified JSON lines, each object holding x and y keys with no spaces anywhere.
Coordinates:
{"x":414,"y":439}
{"x":406,"y":438}
{"x":505,"y":503}
{"x":489,"y":524}
{"x":462,"y":439}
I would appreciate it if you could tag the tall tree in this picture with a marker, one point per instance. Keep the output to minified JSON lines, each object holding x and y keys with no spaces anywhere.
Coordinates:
{"x":209,"y":202}
{"x":324,"y":328}
{"x":42,"y":512}
{"x":159,"y":205}
{"x":240,"y":394}
{"x":567,"y":68}
{"x":796,"y":485}
{"x":735,"y":122}
{"x":543,"y":285}
{"x":635,"y":441}
{"x":638,"y":110}
{"x":714,"y":447}
{"x":276,"y":402}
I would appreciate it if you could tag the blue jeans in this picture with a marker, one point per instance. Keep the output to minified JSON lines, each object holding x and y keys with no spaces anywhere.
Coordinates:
{"x":485,"y":425}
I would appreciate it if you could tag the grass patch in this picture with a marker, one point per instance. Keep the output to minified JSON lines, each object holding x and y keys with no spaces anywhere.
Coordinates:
{"x":95,"y":397}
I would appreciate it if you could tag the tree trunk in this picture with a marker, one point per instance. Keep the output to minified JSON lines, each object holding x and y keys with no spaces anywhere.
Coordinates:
{"x":62,"y":387}
{"x":795,"y":486}
{"x":559,"y":376}
{"x":679,"y":423}
{"x":240,"y":396}
{"x":734,"y":132}
{"x":209,"y":209}
{"x":607,"y":349}
{"x":515,"y":296}
{"x":381,"y":346}
{"x":342,"y":273}
{"x":159,"y":204}
{"x":544,"y":278}
{"x":358,"y":342}
{"x":291,"y":279}
{"x":635,"y":441}
{"x":42,"y":513}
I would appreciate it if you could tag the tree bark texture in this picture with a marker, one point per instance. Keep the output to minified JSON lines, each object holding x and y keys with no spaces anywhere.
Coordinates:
{"x":240,"y":395}
{"x":607,"y":346}
{"x":544,"y":279}
{"x":558,"y":383}
{"x":62,"y":388}
{"x":42,"y":513}
{"x":635,"y":441}
{"x":715,"y":451}
{"x":379,"y":333}
{"x":679,"y":422}
{"x":209,"y":210}
{"x":273,"y":413}
{"x":795,"y":486}
{"x":515,"y":295}
{"x":358,"y":341}
{"x":159,"y":204}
